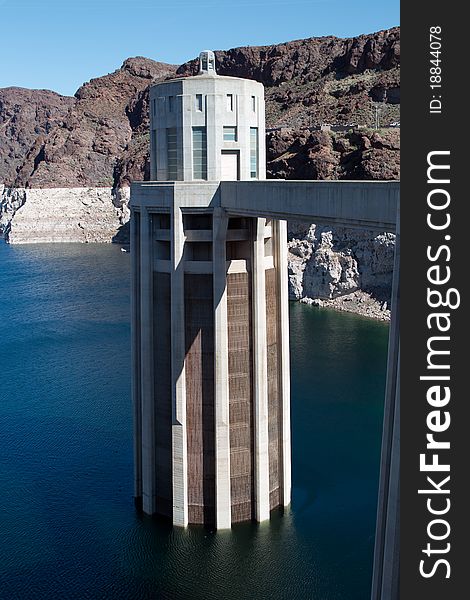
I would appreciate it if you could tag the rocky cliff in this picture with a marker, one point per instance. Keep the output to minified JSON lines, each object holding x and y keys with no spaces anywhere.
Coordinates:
{"x":50,"y":141}
{"x":85,"y":150}
{"x":357,"y":154}
{"x":320,"y":80}
{"x":347,"y":269}
{"x":100,"y":136}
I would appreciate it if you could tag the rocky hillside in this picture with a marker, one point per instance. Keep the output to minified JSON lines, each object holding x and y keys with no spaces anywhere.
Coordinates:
{"x":358,"y":154}
{"x":320,"y":80}
{"x":52,"y":141}
{"x":100,"y":136}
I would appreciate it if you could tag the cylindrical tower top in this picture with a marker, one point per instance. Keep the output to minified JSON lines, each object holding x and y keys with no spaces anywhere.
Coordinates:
{"x":208,"y":127}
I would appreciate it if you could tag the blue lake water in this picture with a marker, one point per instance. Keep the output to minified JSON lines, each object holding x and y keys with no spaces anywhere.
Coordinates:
{"x":68,"y":527}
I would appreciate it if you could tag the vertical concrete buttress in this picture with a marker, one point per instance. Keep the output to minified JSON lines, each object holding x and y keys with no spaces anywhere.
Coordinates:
{"x":147,"y":366}
{"x":179,"y":436}
{"x":221,"y":375}
{"x":385,"y":578}
{"x":260,"y":368}
{"x":135,"y":350}
{"x":280,"y":249}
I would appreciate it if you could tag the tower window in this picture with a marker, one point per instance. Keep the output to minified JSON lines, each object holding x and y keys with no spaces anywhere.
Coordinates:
{"x":154,"y":141}
{"x":199,"y":153}
{"x":230,"y":102}
{"x":253,"y":103}
{"x":172,"y":155}
{"x":199,"y":102}
{"x":253,"y":152}
{"x":154,"y":107}
{"x":211,"y":62}
{"x":230,"y":134}
{"x":171,"y":102}
{"x":154,"y":151}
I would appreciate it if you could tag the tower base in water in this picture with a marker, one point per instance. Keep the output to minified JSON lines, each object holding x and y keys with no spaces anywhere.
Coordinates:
{"x":210,"y":357}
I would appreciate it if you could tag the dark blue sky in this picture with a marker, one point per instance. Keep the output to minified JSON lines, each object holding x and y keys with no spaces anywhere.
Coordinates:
{"x":59,"y":44}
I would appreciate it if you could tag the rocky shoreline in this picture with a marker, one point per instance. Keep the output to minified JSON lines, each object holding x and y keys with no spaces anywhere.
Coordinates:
{"x":50,"y":215}
{"x":346,"y":269}
{"x":359,"y":303}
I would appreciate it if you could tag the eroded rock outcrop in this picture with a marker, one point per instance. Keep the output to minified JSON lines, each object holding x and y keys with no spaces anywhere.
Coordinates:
{"x":11,"y":199}
{"x":329,"y":264}
{"x":55,"y":141}
{"x":26,"y":119}
{"x":303,"y":154}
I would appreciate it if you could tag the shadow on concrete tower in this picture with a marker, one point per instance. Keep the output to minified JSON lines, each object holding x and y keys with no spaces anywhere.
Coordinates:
{"x":209,"y":313}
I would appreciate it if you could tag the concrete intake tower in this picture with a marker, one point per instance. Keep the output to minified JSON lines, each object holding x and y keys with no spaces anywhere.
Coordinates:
{"x":209,"y":313}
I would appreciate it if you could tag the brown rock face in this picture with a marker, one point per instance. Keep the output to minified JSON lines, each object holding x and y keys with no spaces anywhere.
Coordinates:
{"x":100,"y":136}
{"x":74,"y":142}
{"x":320,"y":80}
{"x":26,"y":118}
{"x":301,"y":154}
{"x":307,"y":60}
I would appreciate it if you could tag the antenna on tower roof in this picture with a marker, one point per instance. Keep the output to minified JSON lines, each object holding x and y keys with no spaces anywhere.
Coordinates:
{"x":207,"y":63}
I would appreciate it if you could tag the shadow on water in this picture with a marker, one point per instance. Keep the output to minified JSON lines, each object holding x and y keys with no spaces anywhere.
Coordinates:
{"x":69,"y":526}
{"x":122,"y":236}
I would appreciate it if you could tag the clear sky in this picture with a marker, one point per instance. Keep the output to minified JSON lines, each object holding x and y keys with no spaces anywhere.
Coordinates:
{"x":59,"y":44}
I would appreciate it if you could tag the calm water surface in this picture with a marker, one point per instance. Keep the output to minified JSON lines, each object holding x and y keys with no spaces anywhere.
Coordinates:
{"x":68,"y":528}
